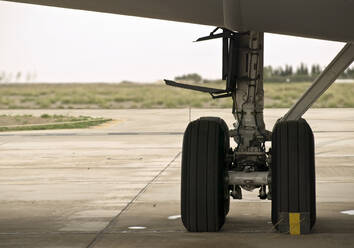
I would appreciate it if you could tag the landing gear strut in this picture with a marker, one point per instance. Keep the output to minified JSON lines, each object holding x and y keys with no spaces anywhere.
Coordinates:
{"x":285,"y":173}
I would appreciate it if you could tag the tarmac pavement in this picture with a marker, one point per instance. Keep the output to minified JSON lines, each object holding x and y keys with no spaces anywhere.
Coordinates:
{"x":118,"y":185}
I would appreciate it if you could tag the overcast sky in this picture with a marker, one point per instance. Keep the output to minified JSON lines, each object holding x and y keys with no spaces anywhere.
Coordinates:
{"x":63,"y":45}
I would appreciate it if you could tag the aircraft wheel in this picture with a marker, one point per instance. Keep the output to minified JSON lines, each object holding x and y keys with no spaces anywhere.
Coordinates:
{"x":204,"y":191}
{"x":293,"y":177}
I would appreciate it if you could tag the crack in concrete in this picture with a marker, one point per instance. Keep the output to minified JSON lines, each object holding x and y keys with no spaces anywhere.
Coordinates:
{"x":115,"y":218}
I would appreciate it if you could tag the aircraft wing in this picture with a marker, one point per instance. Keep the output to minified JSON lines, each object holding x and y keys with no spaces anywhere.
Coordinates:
{"x":323,"y":19}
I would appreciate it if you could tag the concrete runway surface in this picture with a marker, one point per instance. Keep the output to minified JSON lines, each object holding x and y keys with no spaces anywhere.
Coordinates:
{"x":118,"y":185}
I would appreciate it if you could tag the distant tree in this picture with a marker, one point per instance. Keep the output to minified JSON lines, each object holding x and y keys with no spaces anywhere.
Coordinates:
{"x":348,"y":73}
{"x":288,"y":71}
{"x":194,"y":77}
{"x":267,"y":71}
{"x":18,"y":76}
{"x":2,"y":76}
{"x":302,"y":73}
{"x":316,"y":70}
{"x":302,"y":70}
{"x":278,"y":71}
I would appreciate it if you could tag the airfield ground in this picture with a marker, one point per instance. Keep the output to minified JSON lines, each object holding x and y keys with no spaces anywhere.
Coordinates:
{"x":118,"y":185}
{"x":128,"y":95}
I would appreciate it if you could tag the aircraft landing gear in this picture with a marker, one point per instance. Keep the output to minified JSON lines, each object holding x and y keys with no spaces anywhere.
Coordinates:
{"x":212,"y":171}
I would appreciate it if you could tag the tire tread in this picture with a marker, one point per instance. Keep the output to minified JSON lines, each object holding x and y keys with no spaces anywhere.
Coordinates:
{"x":205,"y":143}
{"x":293,"y":170}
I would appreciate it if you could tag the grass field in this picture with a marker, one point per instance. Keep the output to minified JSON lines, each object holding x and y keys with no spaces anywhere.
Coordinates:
{"x":131,"y":95}
{"x":45,"y":122}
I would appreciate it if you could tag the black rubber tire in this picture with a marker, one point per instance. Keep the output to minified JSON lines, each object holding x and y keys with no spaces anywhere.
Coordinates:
{"x":204,"y":194}
{"x":293,"y":170}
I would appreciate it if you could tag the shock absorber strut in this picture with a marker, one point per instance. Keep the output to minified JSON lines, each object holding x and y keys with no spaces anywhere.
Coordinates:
{"x":248,"y":99}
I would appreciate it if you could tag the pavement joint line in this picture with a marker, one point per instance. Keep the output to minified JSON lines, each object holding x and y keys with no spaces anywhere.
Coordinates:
{"x":115,"y":218}
{"x":91,"y":134}
{"x":159,"y":182}
{"x":65,"y":182}
{"x":113,"y":232}
{"x":186,"y":232}
{"x":330,"y":142}
{"x":127,"y":133}
{"x":41,"y":233}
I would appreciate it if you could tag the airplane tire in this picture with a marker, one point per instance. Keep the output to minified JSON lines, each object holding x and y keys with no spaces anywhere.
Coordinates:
{"x":293,"y":177}
{"x":204,"y":191}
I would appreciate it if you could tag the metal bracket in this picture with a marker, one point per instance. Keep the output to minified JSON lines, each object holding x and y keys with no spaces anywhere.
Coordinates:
{"x":230,"y":59}
{"x":225,"y":34}
{"x":341,"y":62}
{"x":215,"y":93}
